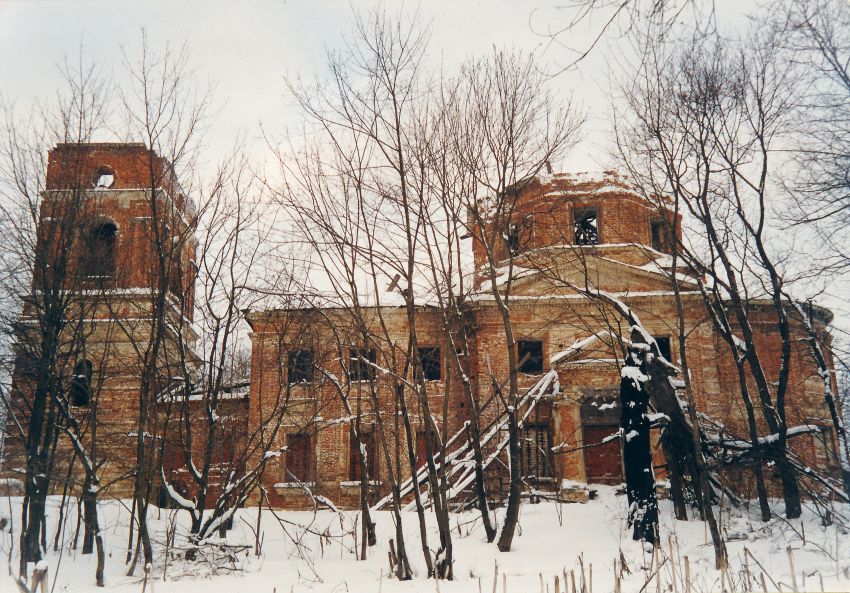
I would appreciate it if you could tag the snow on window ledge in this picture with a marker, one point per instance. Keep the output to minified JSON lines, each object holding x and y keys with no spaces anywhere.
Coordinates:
{"x":294,"y":485}
{"x":356,"y":483}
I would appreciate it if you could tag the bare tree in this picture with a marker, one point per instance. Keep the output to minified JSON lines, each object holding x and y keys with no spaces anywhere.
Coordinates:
{"x":165,"y":110}
{"x":450,"y":278}
{"x":374,"y":117}
{"x":705,"y":131}
{"x":207,"y":433}
{"x":45,"y":221}
{"x":511,"y":127}
{"x":814,"y":33}
{"x":611,"y":19}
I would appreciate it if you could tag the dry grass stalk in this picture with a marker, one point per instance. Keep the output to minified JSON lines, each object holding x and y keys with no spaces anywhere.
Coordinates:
{"x":657,"y":568}
{"x":793,"y":572}
{"x":672,"y":563}
{"x":616,"y":578}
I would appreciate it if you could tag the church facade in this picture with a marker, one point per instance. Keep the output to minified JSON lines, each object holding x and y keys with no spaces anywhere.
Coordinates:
{"x":329,"y":369}
{"x":565,"y":232}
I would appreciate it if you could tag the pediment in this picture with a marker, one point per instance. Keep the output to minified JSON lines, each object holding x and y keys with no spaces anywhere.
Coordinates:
{"x":558,"y":276}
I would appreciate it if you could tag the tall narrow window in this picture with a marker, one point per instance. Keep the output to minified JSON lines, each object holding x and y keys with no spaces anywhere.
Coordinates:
{"x":98,"y":259}
{"x":425,"y":442}
{"x":361,"y":364}
{"x":536,"y":448}
{"x":664,"y":347}
{"x":299,"y":367}
{"x":586,"y":226}
{"x":825,"y":446}
{"x":299,"y":458}
{"x":175,"y":279}
{"x":429,"y":358}
{"x":659,"y":235}
{"x":355,"y":469}
{"x":81,"y":384}
{"x":512,"y":239}
{"x":530,"y":356}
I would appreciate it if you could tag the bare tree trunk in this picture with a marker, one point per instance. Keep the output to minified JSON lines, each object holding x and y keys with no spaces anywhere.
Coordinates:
{"x":410,"y":444}
{"x":637,"y":458}
{"x":89,"y":516}
{"x":515,"y":486}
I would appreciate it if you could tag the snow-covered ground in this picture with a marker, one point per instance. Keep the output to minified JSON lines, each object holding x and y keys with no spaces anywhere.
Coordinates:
{"x":554,"y":540}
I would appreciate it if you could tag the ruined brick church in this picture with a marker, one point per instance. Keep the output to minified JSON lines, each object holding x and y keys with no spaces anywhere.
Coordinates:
{"x":566,"y":231}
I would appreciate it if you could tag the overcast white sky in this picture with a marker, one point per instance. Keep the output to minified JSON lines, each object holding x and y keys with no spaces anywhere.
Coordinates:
{"x":246,"y":48}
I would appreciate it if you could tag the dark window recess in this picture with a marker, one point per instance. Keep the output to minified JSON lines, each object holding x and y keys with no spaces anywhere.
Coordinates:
{"x":163,"y":498}
{"x":299,"y":458}
{"x":512,"y":239}
{"x":586,"y":226}
{"x":355,"y":469}
{"x":26,"y":365}
{"x":81,"y":383}
{"x":362,"y":364}
{"x":175,"y":278}
{"x":425,"y":442}
{"x":536,"y":448}
{"x":103,"y":177}
{"x":299,"y":366}
{"x":664,"y":346}
{"x":530,"y":356}
{"x":660,"y":235}
{"x":175,"y":284}
{"x":429,"y":358}
{"x":98,"y":259}
{"x":602,"y":455}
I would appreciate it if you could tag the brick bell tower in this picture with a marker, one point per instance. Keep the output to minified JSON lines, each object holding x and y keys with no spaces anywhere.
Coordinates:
{"x":115,"y":237}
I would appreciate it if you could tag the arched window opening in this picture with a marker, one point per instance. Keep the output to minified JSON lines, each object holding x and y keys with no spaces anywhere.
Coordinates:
{"x":99,"y":257}
{"x":81,"y":384}
{"x":103,"y":177}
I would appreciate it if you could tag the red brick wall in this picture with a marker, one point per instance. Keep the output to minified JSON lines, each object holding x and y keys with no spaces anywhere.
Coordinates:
{"x":317,"y":408}
{"x":71,"y":206}
{"x":113,"y":314}
{"x":543,"y":214}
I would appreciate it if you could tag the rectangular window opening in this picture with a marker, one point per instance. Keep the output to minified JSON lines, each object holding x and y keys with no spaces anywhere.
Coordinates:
{"x":664,"y":347}
{"x":429,"y":358}
{"x":362,"y":364}
{"x":300,"y":458}
{"x":530,"y":356}
{"x":355,"y":469}
{"x":300,"y":365}
{"x":512,"y":239}
{"x":536,"y":447}
{"x":660,"y":235}
{"x":586,"y":226}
